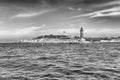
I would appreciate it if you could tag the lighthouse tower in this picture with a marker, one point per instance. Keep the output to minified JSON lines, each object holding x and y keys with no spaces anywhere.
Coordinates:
{"x":81,"y":33}
{"x":82,"y":39}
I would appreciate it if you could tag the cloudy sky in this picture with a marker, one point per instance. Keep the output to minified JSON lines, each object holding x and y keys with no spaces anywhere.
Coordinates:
{"x":24,"y":19}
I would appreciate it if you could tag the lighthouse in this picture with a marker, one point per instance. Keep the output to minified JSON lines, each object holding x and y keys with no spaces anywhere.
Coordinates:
{"x":81,"y":33}
{"x":82,"y":39}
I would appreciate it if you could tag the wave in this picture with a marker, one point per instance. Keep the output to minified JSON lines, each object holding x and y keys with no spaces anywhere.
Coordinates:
{"x":60,"y":61}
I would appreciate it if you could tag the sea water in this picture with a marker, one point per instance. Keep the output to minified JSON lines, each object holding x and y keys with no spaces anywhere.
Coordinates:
{"x":33,"y":61}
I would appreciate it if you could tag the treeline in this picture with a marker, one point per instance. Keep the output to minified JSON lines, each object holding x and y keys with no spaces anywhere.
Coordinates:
{"x":53,"y":36}
{"x":76,"y":37}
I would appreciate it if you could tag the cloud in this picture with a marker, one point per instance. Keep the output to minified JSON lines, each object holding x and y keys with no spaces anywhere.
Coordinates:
{"x":55,"y":2}
{"x":29,"y":14}
{"x":108,"y":9}
{"x":26,"y":31}
{"x":29,"y":30}
{"x":115,"y":11}
{"x":96,"y":1}
{"x":77,"y":9}
{"x":106,"y":13}
{"x":1,"y":22}
{"x":21,"y":1}
{"x":112,"y":3}
{"x":71,"y":8}
{"x":18,"y":33}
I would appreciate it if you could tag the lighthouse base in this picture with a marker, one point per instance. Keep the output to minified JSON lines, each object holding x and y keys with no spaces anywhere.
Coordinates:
{"x":82,"y":40}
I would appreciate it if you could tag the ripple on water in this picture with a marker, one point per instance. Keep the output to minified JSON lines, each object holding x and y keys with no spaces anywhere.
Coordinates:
{"x":59,"y":61}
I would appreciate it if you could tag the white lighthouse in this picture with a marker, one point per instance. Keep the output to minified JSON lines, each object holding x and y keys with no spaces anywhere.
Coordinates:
{"x":82,"y":39}
{"x":81,"y":33}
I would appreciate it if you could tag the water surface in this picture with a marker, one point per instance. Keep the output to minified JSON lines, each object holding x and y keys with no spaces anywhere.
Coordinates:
{"x":93,"y":61}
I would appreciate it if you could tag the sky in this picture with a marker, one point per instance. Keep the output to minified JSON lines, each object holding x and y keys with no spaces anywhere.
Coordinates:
{"x":26,"y":19}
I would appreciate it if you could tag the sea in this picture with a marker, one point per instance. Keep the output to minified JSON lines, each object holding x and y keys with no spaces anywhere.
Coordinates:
{"x":82,"y":61}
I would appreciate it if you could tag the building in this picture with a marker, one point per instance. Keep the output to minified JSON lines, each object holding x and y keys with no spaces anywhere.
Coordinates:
{"x":82,"y":39}
{"x":81,"y":33}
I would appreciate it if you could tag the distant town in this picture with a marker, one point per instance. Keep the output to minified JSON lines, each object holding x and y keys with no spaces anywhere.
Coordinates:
{"x":67,"y":39}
